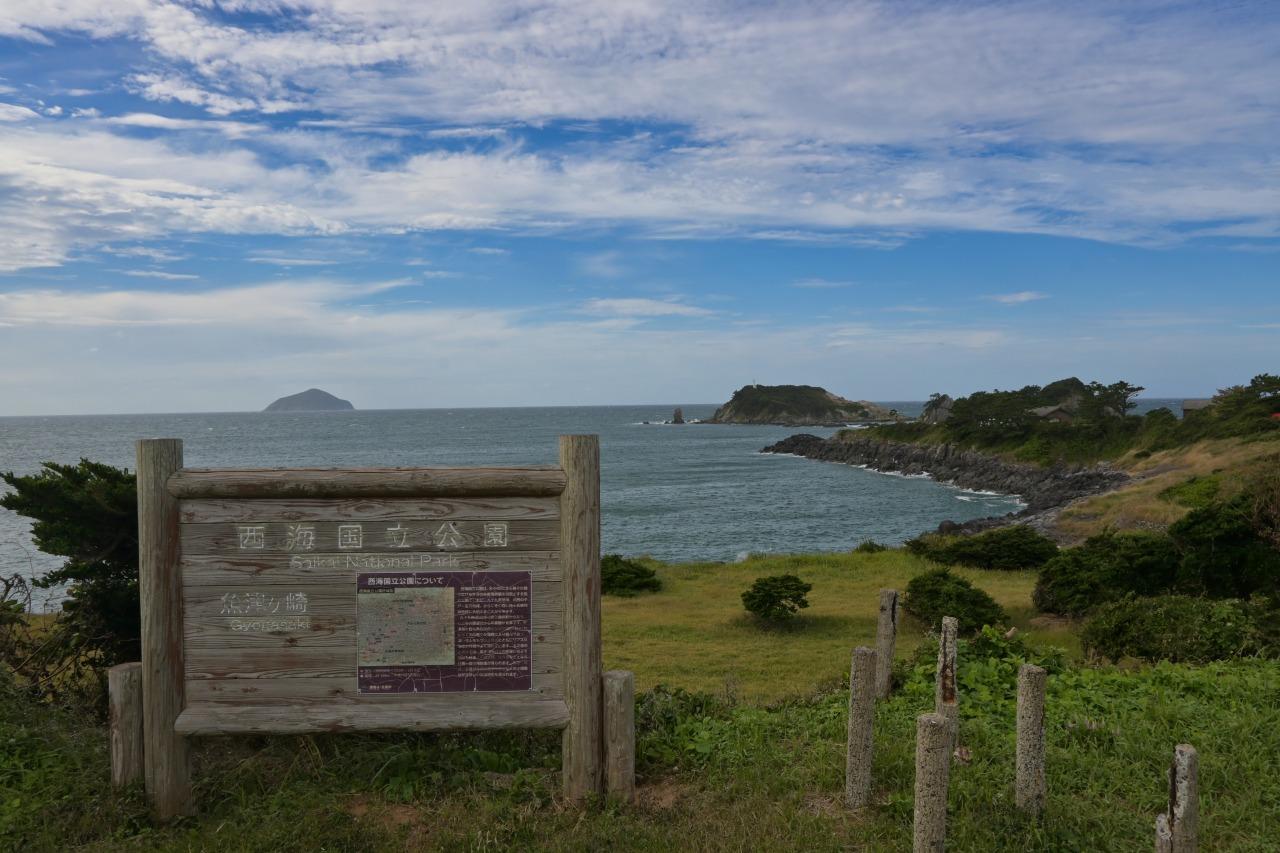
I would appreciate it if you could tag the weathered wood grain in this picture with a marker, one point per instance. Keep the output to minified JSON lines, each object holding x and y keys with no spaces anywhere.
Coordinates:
{"x":311,"y":691}
{"x":366,"y":482}
{"x":580,"y":556}
{"x":620,"y":735}
{"x":318,"y":662}
{"x":327,"y":600}
{"x":451,"y":712}
{"x":416,"y":536}
{"x":124,"y":692}
{"x":165,"y":754}
{"x":294,"y":570}
{"x":367,"y":509}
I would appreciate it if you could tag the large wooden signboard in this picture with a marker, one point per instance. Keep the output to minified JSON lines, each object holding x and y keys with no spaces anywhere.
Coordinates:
{"x":305,"y":600}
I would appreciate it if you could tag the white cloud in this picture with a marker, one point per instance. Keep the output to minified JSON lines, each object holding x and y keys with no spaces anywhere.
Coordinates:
{"x":233,"y":129}
{"x":167,"y":276}
{"x":1019,"y":298}
{"x":13,"y":112}
{"x":639,"y":307}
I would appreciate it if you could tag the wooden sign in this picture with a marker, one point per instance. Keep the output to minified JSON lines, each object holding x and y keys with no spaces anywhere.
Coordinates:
{"x":307,"y":600}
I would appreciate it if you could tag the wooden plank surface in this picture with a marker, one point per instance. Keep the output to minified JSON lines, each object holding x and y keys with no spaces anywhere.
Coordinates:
{"x":336,"y":689}
{"x":376,"y":538}
{"x":366,"y":509}
{"x":274,"y":569}
{"x":202,"y":603}
{"x":366,"y":482}
{"x":441,"y":712}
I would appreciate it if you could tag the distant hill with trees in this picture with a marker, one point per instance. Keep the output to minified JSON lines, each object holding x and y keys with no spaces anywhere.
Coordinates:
{"x":796,"y":405}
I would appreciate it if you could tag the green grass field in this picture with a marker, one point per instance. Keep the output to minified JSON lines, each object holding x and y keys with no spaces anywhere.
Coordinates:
{"x":752,"y":761}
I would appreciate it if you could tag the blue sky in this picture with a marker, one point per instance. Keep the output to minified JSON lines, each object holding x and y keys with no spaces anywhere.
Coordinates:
{"x":207,"y":205}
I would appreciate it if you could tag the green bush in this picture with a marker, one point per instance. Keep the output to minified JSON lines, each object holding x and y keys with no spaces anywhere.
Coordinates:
{"x":1006,"y":548}
{"x":869,"y":546}
{"x":88,"y":514}
{"x":1105,"y":568}
{"x":776,"y":598}
{"x":939,"y":593}
{"x":1224,"y":553}
{"x":1194,"y":493}
{"x":1181,"y":628}
{"x":622,"y":577}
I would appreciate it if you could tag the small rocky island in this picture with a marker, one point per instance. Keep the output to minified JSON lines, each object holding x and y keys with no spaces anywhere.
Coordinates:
{"x":797,"y":405}
{"x":311,"y":400}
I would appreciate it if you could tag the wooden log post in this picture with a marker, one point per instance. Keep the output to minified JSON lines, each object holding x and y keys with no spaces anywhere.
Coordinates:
{"x":620,"y":735}
{"x":1030,"y":786}
{"x":124,"y":698}
{"x":580,"y":556}
{"x":861,"y":740}
{"x":933,"y":768}
{"x":165,"y":753}
{"x":945,"y":698}
{"x":886,"y":636}
{"x":1178,"y":829}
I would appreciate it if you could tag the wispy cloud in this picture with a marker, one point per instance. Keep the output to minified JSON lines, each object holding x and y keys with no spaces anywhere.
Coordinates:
{"x":1021,"y":297}
{"x":167,"y":276}
{"x":639,"y":307}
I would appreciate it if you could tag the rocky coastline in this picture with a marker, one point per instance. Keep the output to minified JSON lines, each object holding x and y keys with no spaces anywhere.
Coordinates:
{"x":1044,"y":490}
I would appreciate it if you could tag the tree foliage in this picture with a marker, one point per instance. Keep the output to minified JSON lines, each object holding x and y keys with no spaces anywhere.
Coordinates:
{"x":776,"y":598}
{"x":625,"y":578}
{"x":87,"y":513}
{"x":939,"y":593}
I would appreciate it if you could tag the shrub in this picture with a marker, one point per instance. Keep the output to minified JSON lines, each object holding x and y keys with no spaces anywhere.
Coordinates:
{"x":1194,"y":493}
{"x":88,"y":514}
{"x":1007,"y":548}
{"x":939,"y":593}
{"x":869,"y":546}
{"x":776,"y":598}
{"x":1182,"y":628}
{"x":1224,"y":554}
{"x":622,"y":577}
{"x":1103,"y":569}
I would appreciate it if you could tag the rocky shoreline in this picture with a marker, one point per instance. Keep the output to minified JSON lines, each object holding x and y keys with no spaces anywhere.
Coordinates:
{"x":1045,"y":490}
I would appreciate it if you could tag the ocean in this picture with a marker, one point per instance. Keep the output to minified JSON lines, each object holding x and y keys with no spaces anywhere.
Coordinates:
{"x":692,"y":492}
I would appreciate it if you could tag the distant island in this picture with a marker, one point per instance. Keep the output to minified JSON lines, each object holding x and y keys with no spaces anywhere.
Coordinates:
{"x":311,"y":400}
{"x":797,"y":405}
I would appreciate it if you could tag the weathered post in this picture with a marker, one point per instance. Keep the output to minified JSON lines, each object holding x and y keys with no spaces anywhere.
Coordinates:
{"x":1030,"y":788}
{"x":1178,"y":830}
{"x":886,"y":635}
{"x":580,"y":555}
{"x":945,"y":700}
{"x":620,"y":735}
{"x":860,"y":744}
{"x":124,"y":697}
{"x":165,"y":754}
{"x":933,"y":768}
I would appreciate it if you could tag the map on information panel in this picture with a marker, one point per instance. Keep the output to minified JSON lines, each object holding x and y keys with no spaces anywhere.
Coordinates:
{"x":443,"y":632}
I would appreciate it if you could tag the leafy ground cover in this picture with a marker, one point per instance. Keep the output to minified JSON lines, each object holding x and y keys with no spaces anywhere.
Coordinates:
{"x":757,"y":766}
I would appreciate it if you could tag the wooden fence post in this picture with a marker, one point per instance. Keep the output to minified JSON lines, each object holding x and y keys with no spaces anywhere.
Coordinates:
{"x":945,"y":700}
{"x":165,"y":754}
{"x":933,"y":768}
{"x":620,"y":735}
{"x":580,"y":557}
{"x":886,"y":635}
{"x":1178,"y":829}
{"x":124,"y":698}
{"x":861,"y":739}
{"x":1030,"y":787}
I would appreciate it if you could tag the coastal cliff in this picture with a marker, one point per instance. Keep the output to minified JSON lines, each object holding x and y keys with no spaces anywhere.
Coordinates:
{"x":796,"y":405}
{"x":1042,"y":488}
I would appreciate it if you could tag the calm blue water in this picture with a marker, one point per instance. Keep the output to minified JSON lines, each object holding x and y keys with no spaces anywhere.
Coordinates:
{"x":674,"y":492}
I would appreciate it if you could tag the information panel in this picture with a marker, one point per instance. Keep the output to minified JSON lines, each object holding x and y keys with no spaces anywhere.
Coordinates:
{"x":444,"y":632}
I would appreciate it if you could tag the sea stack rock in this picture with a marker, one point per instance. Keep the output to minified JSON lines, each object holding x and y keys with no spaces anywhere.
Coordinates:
{"x":796,"y":405}
{"x":678,"y":417}
{"x":311,"y":400}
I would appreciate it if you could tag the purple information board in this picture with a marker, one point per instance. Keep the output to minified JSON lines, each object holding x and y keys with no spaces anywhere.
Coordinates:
{"x":443,"y":632}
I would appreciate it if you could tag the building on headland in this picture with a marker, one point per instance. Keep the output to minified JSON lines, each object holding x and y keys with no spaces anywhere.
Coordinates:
{"x":1195,"y":406}
{"x":1060,"y":414}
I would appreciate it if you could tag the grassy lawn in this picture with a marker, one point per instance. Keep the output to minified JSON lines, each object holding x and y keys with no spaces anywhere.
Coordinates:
{"x":755,"y":767}
{"x":694,"y":633}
